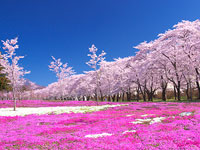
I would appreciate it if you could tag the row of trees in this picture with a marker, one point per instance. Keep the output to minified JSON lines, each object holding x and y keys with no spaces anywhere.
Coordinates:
{"x":170,"y":62}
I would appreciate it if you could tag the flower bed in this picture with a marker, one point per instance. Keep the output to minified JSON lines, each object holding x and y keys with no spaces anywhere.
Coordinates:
{"x":160,"y":126}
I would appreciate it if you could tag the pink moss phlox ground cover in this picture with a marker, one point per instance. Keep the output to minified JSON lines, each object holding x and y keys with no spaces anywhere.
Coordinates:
{"x":69,"y":131}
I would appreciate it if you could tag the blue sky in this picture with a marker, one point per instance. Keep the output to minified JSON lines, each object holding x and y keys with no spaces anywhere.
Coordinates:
{"x":67,"y":28}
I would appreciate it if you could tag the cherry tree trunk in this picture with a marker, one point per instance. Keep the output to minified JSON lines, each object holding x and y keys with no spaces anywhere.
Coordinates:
{"x":101,"y":95}
{"x":164,"y":94}
{"x":179,"y":91}
{"x":128,"y":94}
{"x":14,"y":99}
{"x":95,"y":95}
{"x":143,"y":92}
{"x":197,"y":82}
{"x":198,"y":88}
{"x":88,"y":98}
{"x":15,"y":104}
{"x":113,"y":98}
{"x":178,"y":95}
{"x":109,"y":98}
{"x":144,"y":96}
{"x":190,"y":87}
{"x":150,"y":96}
{"x":175,"y":95}
{"x":164,"y":88}
{"x":117,"y":97}
{"x":123,"y":96}
{"x":138,"y":94}
{"x":187,"y":91}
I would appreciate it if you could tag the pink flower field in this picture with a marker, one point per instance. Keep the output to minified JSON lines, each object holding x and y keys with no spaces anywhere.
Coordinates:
{"x":143,"y":126}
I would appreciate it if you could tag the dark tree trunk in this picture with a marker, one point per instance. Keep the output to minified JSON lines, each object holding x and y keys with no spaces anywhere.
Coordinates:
{"x":113,"y":97}
{"x":179,"y":91}
{"x":164,"y":94}
{"x":144,"y":96}
{"x":101,"y":98}
{"x":143,"y":92}
{"x":150,"y":93}
{"x":197,"y":82}
{"x":187,"y":91}
{"x":88,"y":98}
{"x":95,"y":95}
{"x":138,"y":94}
{"x":122,"y":97}
{"x":190,"y":87}
{"x":96,"y":98}
{"x":101,"y":95}
{"x":175,"y":95}
{"x":150,"y":96}
{"x":117,"y":97}
{"x":198,"y":88}
{"x":128,"y":94}
{"x":109,"y":98}
{"x":164,"y":88}
{"x":127,"y":98}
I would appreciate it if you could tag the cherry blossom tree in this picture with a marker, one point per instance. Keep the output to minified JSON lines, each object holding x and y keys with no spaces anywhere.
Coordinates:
{"x":94,"y":63}
{"x":12,"y":69}
{"x":150,"y":77}
{"x":188,"y":34}
{"x":107,"y":70}
{"x":62,"y":72}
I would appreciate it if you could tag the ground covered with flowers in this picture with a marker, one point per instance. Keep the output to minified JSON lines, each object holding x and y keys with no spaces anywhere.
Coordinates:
{"x":142,"y":126}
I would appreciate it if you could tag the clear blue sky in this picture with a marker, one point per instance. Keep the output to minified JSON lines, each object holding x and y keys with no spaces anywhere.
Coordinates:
{"x":67,"y":28}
